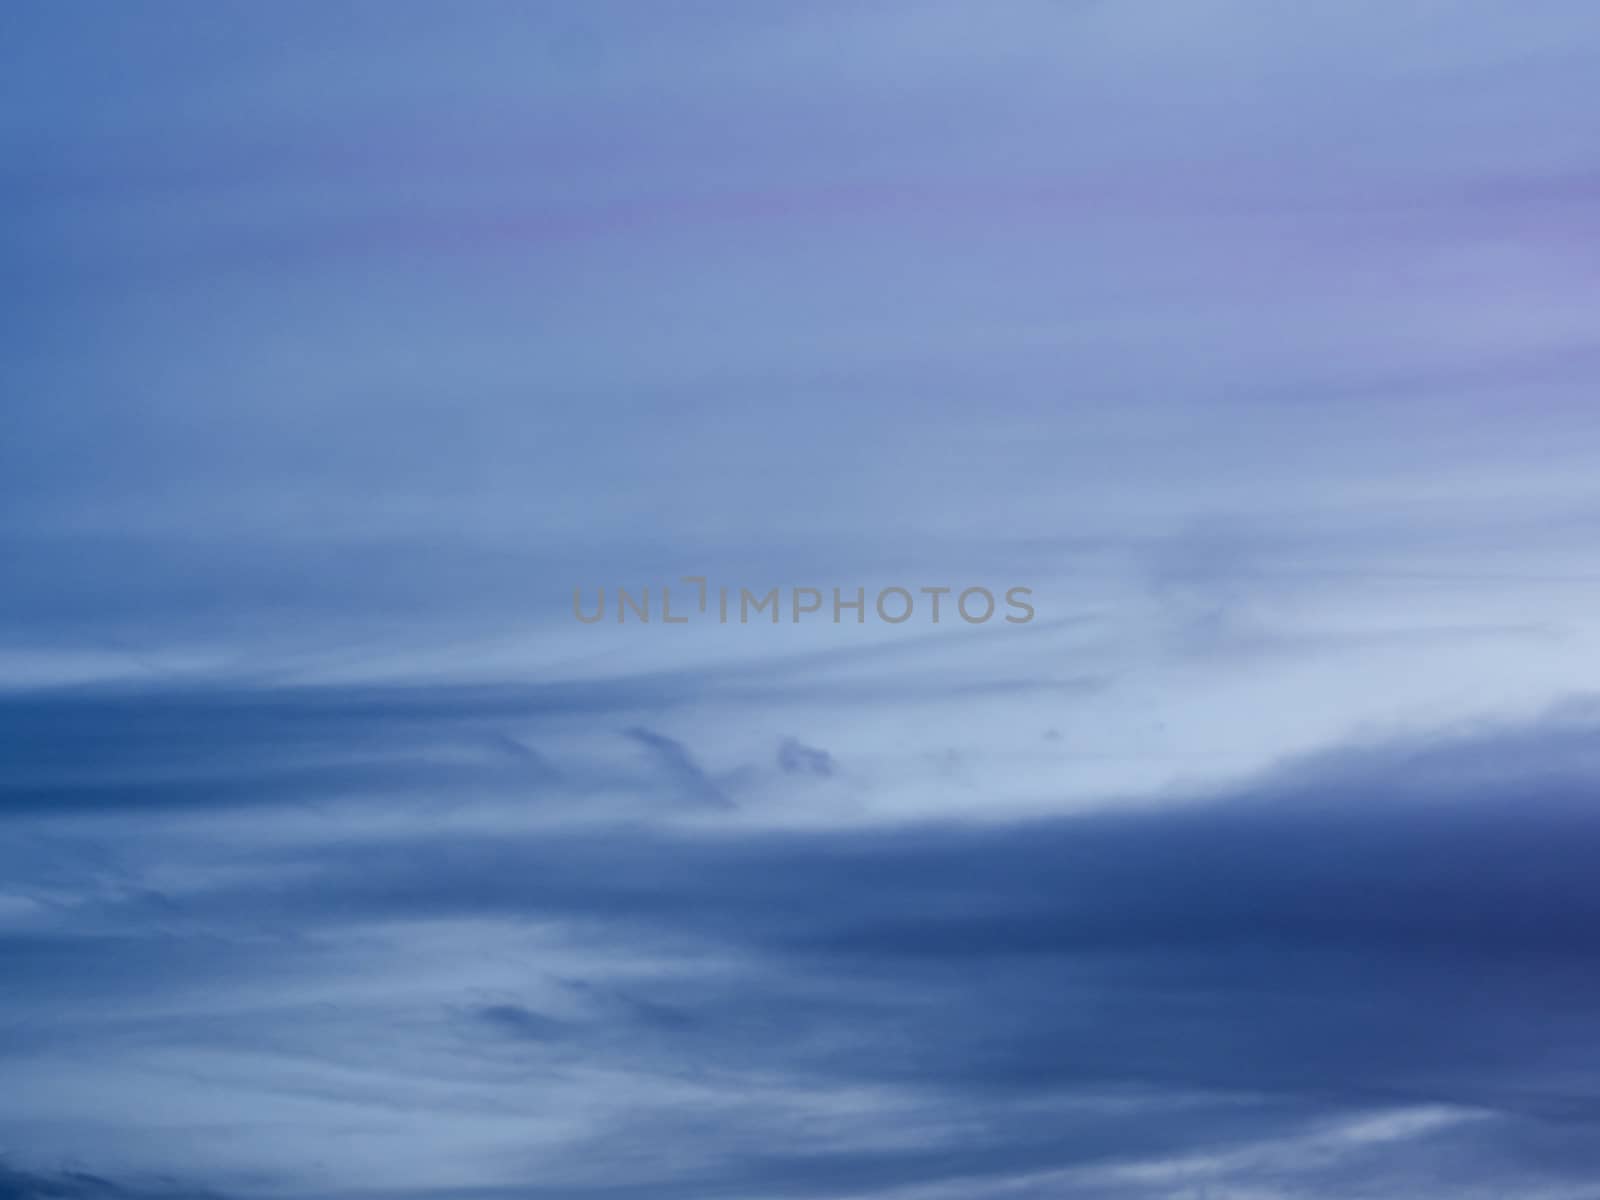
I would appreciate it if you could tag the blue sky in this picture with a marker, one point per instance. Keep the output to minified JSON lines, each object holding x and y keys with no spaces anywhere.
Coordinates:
{"x":343,"y":341}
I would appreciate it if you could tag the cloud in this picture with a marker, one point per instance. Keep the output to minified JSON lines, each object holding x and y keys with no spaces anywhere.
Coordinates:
{"x":797,"y":758}
{"x":76,"y":1185}
{"x":336,"y":858}
{"x":1375,"y":930}
{"x":681,"y":766}
{"x":516,"y":1021}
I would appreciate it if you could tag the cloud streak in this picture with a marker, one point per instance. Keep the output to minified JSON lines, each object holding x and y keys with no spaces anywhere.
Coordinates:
{"x":338,"y":860}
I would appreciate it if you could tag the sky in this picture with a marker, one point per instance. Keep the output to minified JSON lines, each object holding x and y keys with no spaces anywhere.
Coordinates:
{"x":343,"y":343}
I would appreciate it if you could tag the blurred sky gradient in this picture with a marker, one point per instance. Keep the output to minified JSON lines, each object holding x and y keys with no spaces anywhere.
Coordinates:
{"x":341,"y":341}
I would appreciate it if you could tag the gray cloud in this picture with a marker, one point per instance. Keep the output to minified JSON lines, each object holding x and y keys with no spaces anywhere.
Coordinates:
{"x":342,"y":343}
{"x":1370,"y":931}
{"x":797,"y":758}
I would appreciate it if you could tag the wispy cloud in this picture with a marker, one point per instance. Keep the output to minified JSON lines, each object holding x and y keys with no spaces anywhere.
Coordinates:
{"x":343,"y":342}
